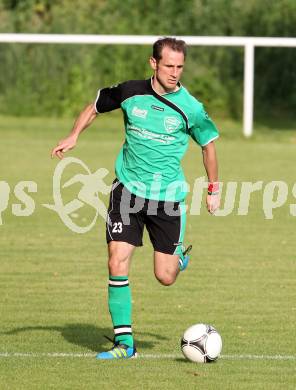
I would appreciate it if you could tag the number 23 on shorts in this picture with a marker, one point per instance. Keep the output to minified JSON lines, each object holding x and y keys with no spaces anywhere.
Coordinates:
{"x":117,"y":227}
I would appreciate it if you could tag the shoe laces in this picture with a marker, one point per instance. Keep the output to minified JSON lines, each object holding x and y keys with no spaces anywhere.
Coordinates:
{"x":116,"y":344}
{"x":187,"y":250}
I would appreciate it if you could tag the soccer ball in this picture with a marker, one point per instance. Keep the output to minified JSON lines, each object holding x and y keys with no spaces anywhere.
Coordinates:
{"x":201,"y":343}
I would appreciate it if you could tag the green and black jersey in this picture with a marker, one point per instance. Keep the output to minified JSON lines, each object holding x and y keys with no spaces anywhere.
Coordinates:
{"x":157,"y":130}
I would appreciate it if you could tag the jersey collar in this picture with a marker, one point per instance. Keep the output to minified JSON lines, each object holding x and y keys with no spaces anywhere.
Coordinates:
{"x":164,"y":99}
{"x":166,"y":93}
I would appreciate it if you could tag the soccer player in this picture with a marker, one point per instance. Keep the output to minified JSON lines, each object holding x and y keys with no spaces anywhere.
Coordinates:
{"x":149,"y":190}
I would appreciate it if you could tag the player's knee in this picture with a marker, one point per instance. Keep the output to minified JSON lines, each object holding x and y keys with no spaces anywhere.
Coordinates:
{"x":117,"y":264}
{"x":165,"y":278}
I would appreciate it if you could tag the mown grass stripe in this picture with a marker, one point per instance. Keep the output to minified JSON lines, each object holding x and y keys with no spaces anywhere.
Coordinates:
{"x":142,"y":356}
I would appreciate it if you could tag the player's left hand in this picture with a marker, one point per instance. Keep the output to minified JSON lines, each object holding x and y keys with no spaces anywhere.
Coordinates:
{"x":213,"y":203}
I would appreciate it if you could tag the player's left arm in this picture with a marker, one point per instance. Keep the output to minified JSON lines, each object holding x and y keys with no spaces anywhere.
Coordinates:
{"x":211,"y":166}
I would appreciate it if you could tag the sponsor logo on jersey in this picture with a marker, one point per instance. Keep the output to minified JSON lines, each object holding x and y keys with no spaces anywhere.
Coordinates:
{"x":143,"y":133}
{"x":139,"y":112}
{"x":171,"y":123}
{"x":157,"y":108}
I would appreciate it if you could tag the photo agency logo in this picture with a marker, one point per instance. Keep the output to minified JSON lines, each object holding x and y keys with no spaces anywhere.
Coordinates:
{"x":92,"y":184}
{"x":235,"y":196}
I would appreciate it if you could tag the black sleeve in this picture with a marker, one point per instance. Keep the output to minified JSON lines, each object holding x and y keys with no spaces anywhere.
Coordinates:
{"x":109,"y":99}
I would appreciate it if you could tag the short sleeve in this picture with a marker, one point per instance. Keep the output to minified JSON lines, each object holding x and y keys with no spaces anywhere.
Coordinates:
{"x":108,"y":99}
{"x":204,"y":129}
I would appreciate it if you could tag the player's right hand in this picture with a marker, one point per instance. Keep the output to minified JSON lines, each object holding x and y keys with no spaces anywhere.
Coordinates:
{"x":63,"y":146}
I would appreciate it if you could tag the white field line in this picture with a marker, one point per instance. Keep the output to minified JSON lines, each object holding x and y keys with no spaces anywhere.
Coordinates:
{"x":141,"y":356}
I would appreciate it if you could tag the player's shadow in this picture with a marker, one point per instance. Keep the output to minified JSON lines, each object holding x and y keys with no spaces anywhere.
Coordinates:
{"x":89,"y":336}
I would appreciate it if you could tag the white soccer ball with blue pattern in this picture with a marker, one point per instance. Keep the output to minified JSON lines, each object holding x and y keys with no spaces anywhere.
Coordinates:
{"x":201,"y":343}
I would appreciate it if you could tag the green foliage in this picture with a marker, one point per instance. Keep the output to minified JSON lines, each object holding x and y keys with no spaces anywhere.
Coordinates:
{"x":59,"y":79}
{"x":275,"y":67}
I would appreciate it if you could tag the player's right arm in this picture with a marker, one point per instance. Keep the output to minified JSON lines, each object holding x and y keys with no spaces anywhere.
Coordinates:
{"x":84,"y":119}
{"x":108,"y":99}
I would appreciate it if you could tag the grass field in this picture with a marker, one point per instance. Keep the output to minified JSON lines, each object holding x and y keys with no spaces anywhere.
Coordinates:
{"x":53,"y":293}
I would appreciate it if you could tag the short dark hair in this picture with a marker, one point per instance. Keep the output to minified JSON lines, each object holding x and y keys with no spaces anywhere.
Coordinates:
{"x":172,"y":43}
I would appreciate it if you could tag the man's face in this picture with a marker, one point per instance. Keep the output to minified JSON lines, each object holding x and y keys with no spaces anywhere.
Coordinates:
{"x":168,"y":70}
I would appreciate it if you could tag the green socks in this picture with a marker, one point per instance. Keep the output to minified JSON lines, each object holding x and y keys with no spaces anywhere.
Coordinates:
{"x":120,"y":307}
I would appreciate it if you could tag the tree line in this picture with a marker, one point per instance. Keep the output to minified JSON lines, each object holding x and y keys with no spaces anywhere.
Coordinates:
{"x":58,"y":79}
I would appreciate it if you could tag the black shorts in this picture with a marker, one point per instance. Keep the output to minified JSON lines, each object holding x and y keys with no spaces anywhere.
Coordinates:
{"x":128,"y":214}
